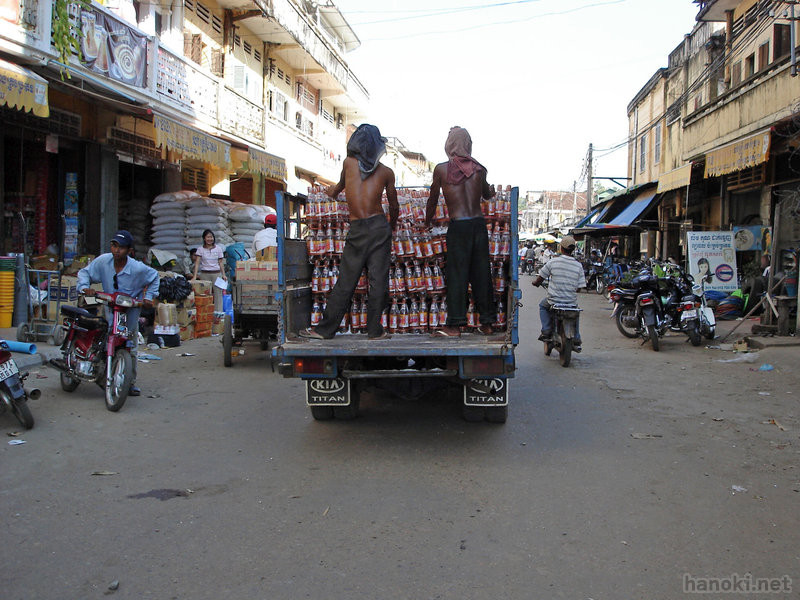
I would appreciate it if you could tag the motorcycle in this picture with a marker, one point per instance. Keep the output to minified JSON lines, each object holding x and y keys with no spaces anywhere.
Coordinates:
{"x":700,"y":314}
{"x":96,"y":350}
{"x":594,"y":277}
{"x":526,"y":265}
{"x":565,"y":317}
{"x":638,"y":309}
{"x":13,"y":396}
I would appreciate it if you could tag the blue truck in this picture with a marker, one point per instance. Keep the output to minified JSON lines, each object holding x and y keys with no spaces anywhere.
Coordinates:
{"x":473,"y":369}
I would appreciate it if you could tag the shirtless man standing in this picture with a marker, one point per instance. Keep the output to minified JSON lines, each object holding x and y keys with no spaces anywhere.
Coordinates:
{"x":462,"y":179}
{"x":369,"y":241}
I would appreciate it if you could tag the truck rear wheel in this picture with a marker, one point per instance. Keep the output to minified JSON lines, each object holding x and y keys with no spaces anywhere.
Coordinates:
{"x":497,"y":414}
{"x":322,"y":413}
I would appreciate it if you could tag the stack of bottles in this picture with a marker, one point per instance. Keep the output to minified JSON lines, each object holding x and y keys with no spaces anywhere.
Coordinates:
{"x":417,"y":283}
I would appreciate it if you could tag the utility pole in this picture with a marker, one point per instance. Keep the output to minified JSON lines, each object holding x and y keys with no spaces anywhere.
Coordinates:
{"x":589,"y":181}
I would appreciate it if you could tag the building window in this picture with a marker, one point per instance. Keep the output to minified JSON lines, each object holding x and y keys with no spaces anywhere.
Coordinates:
{"x":763,"y":56}
{"x":750,"y":66}
{"x":281,"y":106}
{"x":781,"y":41}
{"x":642,"y":153}
{"x":657,"y":145}
{"x":736,"y":74}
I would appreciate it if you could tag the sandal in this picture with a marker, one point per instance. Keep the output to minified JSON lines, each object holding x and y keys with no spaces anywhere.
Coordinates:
{"x":383,"y":336}
{"x":311,"y":334}
{"x":447,"y":332}
{"x":485,"y":329}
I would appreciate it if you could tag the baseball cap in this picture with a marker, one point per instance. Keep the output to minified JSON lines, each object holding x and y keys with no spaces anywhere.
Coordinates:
{"x":270,"y":219}
{"x":123,"y":238}
{"x":568,"y":242}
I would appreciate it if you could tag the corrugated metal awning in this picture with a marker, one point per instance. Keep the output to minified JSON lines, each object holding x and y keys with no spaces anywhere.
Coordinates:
{"x":633,"y":210}
{"x":677,"y":178}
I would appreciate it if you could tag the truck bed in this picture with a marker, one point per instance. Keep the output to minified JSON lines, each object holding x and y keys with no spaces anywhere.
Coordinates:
{"x":469,"y":344}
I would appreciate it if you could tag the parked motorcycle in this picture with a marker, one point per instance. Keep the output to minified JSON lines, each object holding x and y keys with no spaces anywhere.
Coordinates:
{"x":96,"y":350}
{"x":638,"y":309}
{"x":594,"y":277}
{"x":13,"y":396}
{"x":565,"y":317}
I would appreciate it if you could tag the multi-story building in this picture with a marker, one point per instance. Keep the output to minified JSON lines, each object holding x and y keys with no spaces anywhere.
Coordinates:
{"x":718,"y":129}
{"x":549,"y":210}
{"x":236,"y":98}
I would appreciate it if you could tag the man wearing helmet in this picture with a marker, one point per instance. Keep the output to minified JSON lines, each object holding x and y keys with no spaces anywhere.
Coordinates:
{"x":566,"y":278}
{"x":267,"y":236}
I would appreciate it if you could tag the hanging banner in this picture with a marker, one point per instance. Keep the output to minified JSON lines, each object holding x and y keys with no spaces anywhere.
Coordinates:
{"x":191,"y":143}
{"x":748,"y":237}
{"x":23,"y":89}
{"x":112,"y":48}
{"x":749,"y":152}
{"x":712,"y":260}
{"x":272,"y":167}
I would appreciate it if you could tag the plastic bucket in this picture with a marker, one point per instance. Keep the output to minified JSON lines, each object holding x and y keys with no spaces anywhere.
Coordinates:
{"x":791,"y":284}
{"x":5,"y":319}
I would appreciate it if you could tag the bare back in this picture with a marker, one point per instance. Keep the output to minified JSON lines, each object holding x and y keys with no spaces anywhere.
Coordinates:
{"x":364,"y":195}
{"x":463,"y":199}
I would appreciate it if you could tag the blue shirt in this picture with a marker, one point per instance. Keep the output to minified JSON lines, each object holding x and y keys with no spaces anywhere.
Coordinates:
{"x":131,"y":280}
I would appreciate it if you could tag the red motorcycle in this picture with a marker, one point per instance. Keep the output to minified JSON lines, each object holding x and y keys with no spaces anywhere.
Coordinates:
{"x":13,"y":396}
{"x":96,"y":350}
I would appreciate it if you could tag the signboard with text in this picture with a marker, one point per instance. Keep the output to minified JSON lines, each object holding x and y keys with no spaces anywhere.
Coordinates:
{"x":712,"y":259}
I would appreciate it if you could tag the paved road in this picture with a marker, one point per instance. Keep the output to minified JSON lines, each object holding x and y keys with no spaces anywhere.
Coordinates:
{"x":221,"y":485}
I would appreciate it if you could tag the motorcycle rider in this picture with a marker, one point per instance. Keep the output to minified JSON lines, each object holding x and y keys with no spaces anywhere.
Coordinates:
{"x":566,"y":278}
{"x":117,"y":271}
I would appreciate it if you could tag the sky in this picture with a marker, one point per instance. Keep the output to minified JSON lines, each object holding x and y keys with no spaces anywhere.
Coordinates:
{"x":533,"y":81}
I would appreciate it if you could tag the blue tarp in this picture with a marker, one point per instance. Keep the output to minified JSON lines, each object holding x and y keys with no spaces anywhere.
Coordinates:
{"x":633,"y":210}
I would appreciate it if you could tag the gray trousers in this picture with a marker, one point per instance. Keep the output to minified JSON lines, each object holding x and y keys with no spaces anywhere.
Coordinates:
{"x":369,"y":244}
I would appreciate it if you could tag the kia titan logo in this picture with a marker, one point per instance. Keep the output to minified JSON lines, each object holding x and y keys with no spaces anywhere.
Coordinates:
{"x":327,"y":386}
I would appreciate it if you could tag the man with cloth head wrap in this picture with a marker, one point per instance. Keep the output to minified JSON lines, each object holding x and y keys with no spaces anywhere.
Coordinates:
{"x":369,"y":241}
{"x":462,"y":179}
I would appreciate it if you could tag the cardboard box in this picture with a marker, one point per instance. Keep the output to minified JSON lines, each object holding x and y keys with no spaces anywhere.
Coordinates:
{"x":218,"y":326}
{"x":186,"y":316}
{"x":202,"y":330}
{"x":68,"y":292}
{"x":268,"y":253}
{"x":201,"y":288}
{"x":44,"y":262}
{"x":256,"y":270}
{"x":78,"y":263}
{"x":187,"y":302}
{"x":187,"y":332}
{"x":202,"y":301}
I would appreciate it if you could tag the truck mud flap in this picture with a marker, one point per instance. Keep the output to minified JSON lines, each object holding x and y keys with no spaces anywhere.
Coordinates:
{"x":486,"y":392}
{"x":328,"y":392}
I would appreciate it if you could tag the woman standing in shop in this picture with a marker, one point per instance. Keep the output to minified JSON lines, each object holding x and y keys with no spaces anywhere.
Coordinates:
{"x":209,"y":261}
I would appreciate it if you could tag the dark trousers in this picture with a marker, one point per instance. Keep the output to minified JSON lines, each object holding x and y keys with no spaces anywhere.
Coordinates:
{"x":369,"y":244}
{"x":468,"y":262}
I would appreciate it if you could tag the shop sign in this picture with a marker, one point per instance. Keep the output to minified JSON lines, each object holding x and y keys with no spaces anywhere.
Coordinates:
{"x":191,"y":143}
{"x":677,"y":178}
{"x":112,"y":48}
{"x":750,"y":237}
{"x":748,"y":152}
{"x":712,"y":259}
{"x":22,"y":89}
{"x":271,"y":167}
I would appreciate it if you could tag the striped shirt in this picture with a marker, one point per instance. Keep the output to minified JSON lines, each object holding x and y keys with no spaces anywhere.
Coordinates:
{"x":566,"y":276}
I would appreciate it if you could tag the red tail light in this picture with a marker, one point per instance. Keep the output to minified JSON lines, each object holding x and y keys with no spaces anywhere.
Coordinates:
{"x":645,"y":300}
{"x":688,"y":306}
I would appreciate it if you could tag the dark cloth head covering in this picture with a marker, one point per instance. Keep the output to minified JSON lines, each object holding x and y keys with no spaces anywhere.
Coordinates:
{"x":459,"y":150}
{"x":367,"y":146}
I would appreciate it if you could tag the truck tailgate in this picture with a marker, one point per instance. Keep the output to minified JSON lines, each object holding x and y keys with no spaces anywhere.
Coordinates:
{"x":399,"y":345}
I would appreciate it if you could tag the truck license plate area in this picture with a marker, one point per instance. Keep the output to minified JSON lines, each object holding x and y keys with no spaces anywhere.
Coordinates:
{"x":486,"y":392}
{"x":328,"y":392}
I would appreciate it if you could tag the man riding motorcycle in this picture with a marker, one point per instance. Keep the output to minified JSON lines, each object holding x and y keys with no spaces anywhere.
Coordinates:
{"x":119,"y":272}
{"x":566,"y":278}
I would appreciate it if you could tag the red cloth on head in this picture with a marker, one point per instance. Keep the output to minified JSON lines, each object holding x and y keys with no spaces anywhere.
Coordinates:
{"x":460,"y":168}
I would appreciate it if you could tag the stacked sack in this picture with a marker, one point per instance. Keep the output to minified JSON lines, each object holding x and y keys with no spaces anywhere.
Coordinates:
{"x":246,"y":220}
{"x":206,"y":213}
{"x":169,"y":223}
{"x":134,"y":216}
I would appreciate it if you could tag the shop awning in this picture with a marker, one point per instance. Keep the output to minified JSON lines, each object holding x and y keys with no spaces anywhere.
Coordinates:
{"x":271,"y":167}
{"x":23,"y":89}
{"x":748,"y":152}
{"x":677,"y":178}
{"x":191,"y":143}
{"x":633,"y":210}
